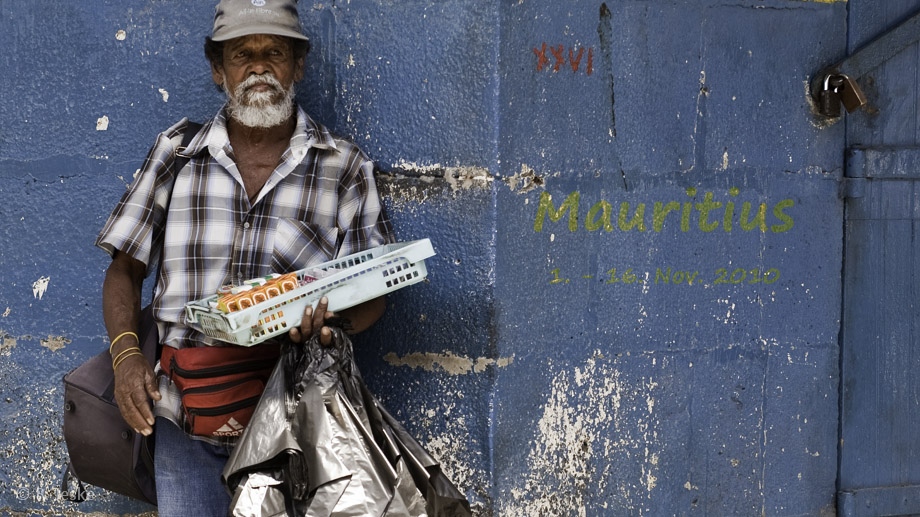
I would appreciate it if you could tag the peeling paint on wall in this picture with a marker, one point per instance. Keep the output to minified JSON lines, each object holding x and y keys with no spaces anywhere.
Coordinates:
{"x":448,"y":362}
{"x":120,"y":35}
{"x":467,"y":177}
{"x":398,"y":192}
{"x":527,"y":180}
{"x":444,"y":425}
{"x":102,"y":123}
{"x":594,"y":425}
{"x":40,"y":286}
{"x":164,"y":93}
{"x":55,"y":343}
{"x":7,"y":344}
{"x":410,"y":184}
{"x":456,"y":177}
{"x":6,"y":312}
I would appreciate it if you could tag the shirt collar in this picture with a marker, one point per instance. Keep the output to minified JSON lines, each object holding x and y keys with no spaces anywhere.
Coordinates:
{"x":213,"y":136}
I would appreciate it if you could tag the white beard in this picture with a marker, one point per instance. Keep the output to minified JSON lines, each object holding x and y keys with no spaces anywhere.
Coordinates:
{"x":260,"y":109}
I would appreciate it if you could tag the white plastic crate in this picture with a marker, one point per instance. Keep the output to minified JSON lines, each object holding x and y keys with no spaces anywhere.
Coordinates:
{"x":360,"y":277}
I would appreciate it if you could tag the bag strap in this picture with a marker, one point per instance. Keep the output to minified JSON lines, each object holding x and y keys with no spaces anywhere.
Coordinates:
{"x":179,"y":162}
{"x":191,"y":130}
{"x":74,"y":496}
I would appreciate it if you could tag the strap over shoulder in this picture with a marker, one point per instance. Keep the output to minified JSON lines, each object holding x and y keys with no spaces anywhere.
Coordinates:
{"x":191,"y":130}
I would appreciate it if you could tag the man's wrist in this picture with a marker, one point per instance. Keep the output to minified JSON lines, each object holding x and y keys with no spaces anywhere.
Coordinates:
{"x":123,"y":342}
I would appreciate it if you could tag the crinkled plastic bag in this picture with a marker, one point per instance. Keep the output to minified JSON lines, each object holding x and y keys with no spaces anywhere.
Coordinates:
{"x":320,"y":444}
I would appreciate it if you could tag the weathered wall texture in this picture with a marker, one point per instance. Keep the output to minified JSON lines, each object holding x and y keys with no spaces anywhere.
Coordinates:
{"x":670,"y":349}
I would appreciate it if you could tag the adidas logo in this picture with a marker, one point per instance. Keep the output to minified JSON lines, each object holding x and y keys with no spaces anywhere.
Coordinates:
{"x":231,"y":428}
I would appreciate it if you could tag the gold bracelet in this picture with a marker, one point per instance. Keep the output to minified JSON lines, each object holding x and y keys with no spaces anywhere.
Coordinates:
{"x":123,"y":352}
{"x":123,"y":334}
{"x":115,"y":365}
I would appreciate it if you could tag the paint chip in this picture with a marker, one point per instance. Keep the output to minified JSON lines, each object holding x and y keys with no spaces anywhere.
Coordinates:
{"x":55,"y":343}
{"x":456,"y":177}
{"x":6,"y":312}
{"x":7,"y":344}
{"x":102,"y":124}
{"x":120,"y":35}
{"x":449,"y":362}
{"x":164,"y":93}
{"x":465,"y":177}
{"x":40,"y":286}
{"x":527,"y":180}
{"x":590,"y":414}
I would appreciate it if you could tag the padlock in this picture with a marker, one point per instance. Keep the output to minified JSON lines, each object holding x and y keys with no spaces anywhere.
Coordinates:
{"x":830,"y":96}
{"x":851,"y":94}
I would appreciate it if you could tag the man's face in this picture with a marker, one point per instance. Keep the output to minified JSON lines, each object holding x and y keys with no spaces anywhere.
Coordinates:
{"x":258,"y":73}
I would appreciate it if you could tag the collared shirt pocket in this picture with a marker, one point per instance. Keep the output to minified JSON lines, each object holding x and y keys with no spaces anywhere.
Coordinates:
{"x":299,"y":244}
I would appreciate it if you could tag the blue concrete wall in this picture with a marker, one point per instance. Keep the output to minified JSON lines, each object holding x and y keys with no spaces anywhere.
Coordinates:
{"x":545,"y":387}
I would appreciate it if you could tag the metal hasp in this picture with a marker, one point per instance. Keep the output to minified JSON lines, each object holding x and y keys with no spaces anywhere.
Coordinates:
{"x":837,"y":82}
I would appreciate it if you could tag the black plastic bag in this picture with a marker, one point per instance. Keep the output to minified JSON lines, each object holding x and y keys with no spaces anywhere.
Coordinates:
{"x":319,"y":443}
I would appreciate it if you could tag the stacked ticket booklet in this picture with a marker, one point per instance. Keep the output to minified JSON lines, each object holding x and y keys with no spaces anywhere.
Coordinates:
{"x":262,"y":308}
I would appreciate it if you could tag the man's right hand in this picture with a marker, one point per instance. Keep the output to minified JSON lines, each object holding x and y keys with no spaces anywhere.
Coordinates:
{"x":135,"y":385}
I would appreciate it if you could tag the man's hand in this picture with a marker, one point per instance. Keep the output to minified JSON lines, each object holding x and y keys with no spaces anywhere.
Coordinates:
{"x":312,"y":322}
{"x":360,"y":317}
{"x":134,"y":380}
{"x":135,"y":385}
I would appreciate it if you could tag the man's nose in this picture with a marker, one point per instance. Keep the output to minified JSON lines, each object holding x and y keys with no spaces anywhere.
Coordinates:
{"x":258,"y":66}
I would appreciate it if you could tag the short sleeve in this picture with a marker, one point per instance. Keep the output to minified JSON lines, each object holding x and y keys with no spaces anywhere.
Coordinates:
{"x":362,"y":216}
{"x":136,"y":225}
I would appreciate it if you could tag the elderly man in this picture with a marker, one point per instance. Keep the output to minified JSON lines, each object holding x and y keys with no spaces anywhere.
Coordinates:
{"x":265,"y":189}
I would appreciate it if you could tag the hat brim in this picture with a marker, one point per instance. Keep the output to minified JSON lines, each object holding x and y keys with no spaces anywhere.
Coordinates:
{"x":251,"y":29}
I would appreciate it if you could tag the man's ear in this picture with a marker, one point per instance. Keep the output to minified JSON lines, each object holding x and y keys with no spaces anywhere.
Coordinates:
{"x":217,"y":74}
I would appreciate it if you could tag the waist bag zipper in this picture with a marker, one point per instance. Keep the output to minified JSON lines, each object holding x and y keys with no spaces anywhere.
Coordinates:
{"x":223,"y":410}
{"x":219,"y":371}
{"x":219,"y":387}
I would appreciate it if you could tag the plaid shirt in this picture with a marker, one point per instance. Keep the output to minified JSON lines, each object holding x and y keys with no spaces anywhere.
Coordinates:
{"x":319,"y":203}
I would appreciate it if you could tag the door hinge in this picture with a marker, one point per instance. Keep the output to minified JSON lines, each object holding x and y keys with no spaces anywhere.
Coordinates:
{"x":852,"y":188}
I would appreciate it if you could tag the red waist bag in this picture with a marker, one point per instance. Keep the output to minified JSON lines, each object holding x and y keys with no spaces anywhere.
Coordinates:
{"x":220,"y":386}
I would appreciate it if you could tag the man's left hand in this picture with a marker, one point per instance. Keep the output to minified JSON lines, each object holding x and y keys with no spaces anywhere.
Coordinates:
{"x":312,"y":322}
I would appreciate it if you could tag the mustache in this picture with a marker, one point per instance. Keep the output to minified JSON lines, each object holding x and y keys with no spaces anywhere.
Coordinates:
{"x":257,"y":80}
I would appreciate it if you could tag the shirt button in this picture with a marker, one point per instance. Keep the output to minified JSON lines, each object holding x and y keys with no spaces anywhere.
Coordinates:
{"x":246,"y":225}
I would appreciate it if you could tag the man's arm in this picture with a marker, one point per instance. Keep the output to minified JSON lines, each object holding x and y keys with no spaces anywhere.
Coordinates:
{"x":121,"y":307}
{"x":364,"y":315}
{"x":360,"y":316}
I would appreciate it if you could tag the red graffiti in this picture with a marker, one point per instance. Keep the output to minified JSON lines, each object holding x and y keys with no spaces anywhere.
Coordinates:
{"x":575,"y":61}
{"x":557,"y":53}
{"x":541,"y":57}
{"x":574,"y":58}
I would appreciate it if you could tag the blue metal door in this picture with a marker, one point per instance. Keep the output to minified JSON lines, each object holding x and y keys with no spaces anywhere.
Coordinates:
{"x":879,"y":460}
